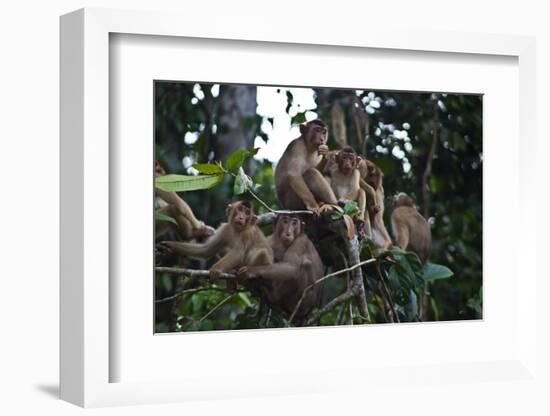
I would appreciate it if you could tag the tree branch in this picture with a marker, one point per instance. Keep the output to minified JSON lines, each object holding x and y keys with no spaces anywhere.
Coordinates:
{"x":429,"y":160}
{"x":308,"y":288}
{"x":193,"y":273}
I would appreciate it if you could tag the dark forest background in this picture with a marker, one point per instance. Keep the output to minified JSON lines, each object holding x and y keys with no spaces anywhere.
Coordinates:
{"x":428,"y":145}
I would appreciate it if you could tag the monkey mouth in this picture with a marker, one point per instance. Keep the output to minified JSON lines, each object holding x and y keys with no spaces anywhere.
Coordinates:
{"x":287,"y":240}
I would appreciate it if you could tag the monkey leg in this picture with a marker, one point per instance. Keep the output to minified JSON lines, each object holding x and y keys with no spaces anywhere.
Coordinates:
{"x":319,"y":186}
{"x":259,"y":257}
{"x":181,"y":207}
{"x":361,"y":202}
{"x":227,"y":263}
{"x":368,"y":227}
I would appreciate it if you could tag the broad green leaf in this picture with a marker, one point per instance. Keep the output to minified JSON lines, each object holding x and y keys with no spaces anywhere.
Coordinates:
{"x":236,"y":159}
{"x":159,"y":216}
{"x":208,"y":168}
{"x":184,"y":183}
{"x":436,"y":271}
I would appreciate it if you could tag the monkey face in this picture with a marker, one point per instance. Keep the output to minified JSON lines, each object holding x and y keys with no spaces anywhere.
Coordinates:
{"x":347,"y":162}
{"x":287,"y":229}
{"x":240,"y":215}
{"x":315,"y":134}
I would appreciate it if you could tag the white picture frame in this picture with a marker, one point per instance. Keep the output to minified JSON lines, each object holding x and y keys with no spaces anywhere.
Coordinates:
{"x":85,"y":217}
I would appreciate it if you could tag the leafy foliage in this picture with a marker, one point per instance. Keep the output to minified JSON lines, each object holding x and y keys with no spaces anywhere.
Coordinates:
{"x":393,"y":129}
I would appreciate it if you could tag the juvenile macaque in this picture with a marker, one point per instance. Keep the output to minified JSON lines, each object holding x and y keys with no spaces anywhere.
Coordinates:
{"x":171,"y":204}
{"x":371,"y":183}
{"x":344,"y":178}
{"x":297,"y":265}
{"x":240,"y":240}
{"x":298,"y":181}
{"x":410,"y":229}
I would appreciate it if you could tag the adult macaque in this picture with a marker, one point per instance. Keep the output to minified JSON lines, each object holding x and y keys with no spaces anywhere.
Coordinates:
{"x":297,"y":265}
{"x":240,"y":239}
{"x":298,"y":181}
{"x":371,"y":182}
{"x":170,"y":203}
{"x":344,"y":178}
{"x":410,"y":229}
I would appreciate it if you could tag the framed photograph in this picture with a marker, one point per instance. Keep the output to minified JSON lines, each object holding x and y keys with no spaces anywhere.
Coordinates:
{"x":228,"y":210}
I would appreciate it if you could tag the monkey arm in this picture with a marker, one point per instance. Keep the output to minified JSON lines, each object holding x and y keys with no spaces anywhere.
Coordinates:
{"x":369,"y":190}
{"x":402,"y":237}
{"x":230,"y":261}
{"x":204,"y":250}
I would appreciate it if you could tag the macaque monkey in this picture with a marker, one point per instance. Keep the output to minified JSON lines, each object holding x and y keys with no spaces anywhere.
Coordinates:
{"x":344,"y":178}
{"x":371,"y":182}
{"x":410,"y":229}
{"x":298,"y":181}
{"x":170,"y":203}
{"x":297,"y":265}
{"x":240,"y":240}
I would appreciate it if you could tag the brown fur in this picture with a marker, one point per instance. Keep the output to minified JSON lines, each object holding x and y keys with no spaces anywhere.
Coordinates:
{"x":410,"y":229}
{"x":298,"y":181}
{"x":297,"y":266}
{"x":240,"y":239}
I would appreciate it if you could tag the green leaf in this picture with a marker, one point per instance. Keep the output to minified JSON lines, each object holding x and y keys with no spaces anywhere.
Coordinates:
{"x":208,"y":168}
{"x":159,"y":216}
{"x":436,"y":271}
{"x":242,"y":183}
{"x":351,"y":208}
{"x":298,"y":118}
{"x":236,"y":159}
{"x":184,"y":183}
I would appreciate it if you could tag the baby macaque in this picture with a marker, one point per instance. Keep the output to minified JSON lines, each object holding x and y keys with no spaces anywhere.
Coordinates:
{"x":410,"y":229}
{"x":344,"y":178}
{"x":240,"y":240}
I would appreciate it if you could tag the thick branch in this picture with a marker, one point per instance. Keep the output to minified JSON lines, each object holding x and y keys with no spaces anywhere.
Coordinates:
{"x":358,"y":287}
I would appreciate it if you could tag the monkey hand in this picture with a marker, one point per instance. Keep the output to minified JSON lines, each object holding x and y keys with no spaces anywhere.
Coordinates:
{"x":165,"y":247}
{"x":215,"y":275}
{"x":202,"y":232}
{"x":314,"y":208}
{"x":244,"y":273}
{"x":323,"y":150}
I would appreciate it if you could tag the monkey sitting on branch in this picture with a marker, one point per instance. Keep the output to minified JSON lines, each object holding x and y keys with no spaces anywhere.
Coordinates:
{"x":297,"y":265}
{"x":298,"y":181}
{"x":344,"y":178}
{"x":410,"y":229}
{"x":172,"y":205}
{"x":242,"y":241}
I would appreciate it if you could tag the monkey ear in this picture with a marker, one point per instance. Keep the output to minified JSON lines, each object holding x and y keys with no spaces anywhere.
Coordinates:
{"x":303,"y":129}
{"x":228,"y":209}
{"x":253,"y":219}
{"x":358,"y":159}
